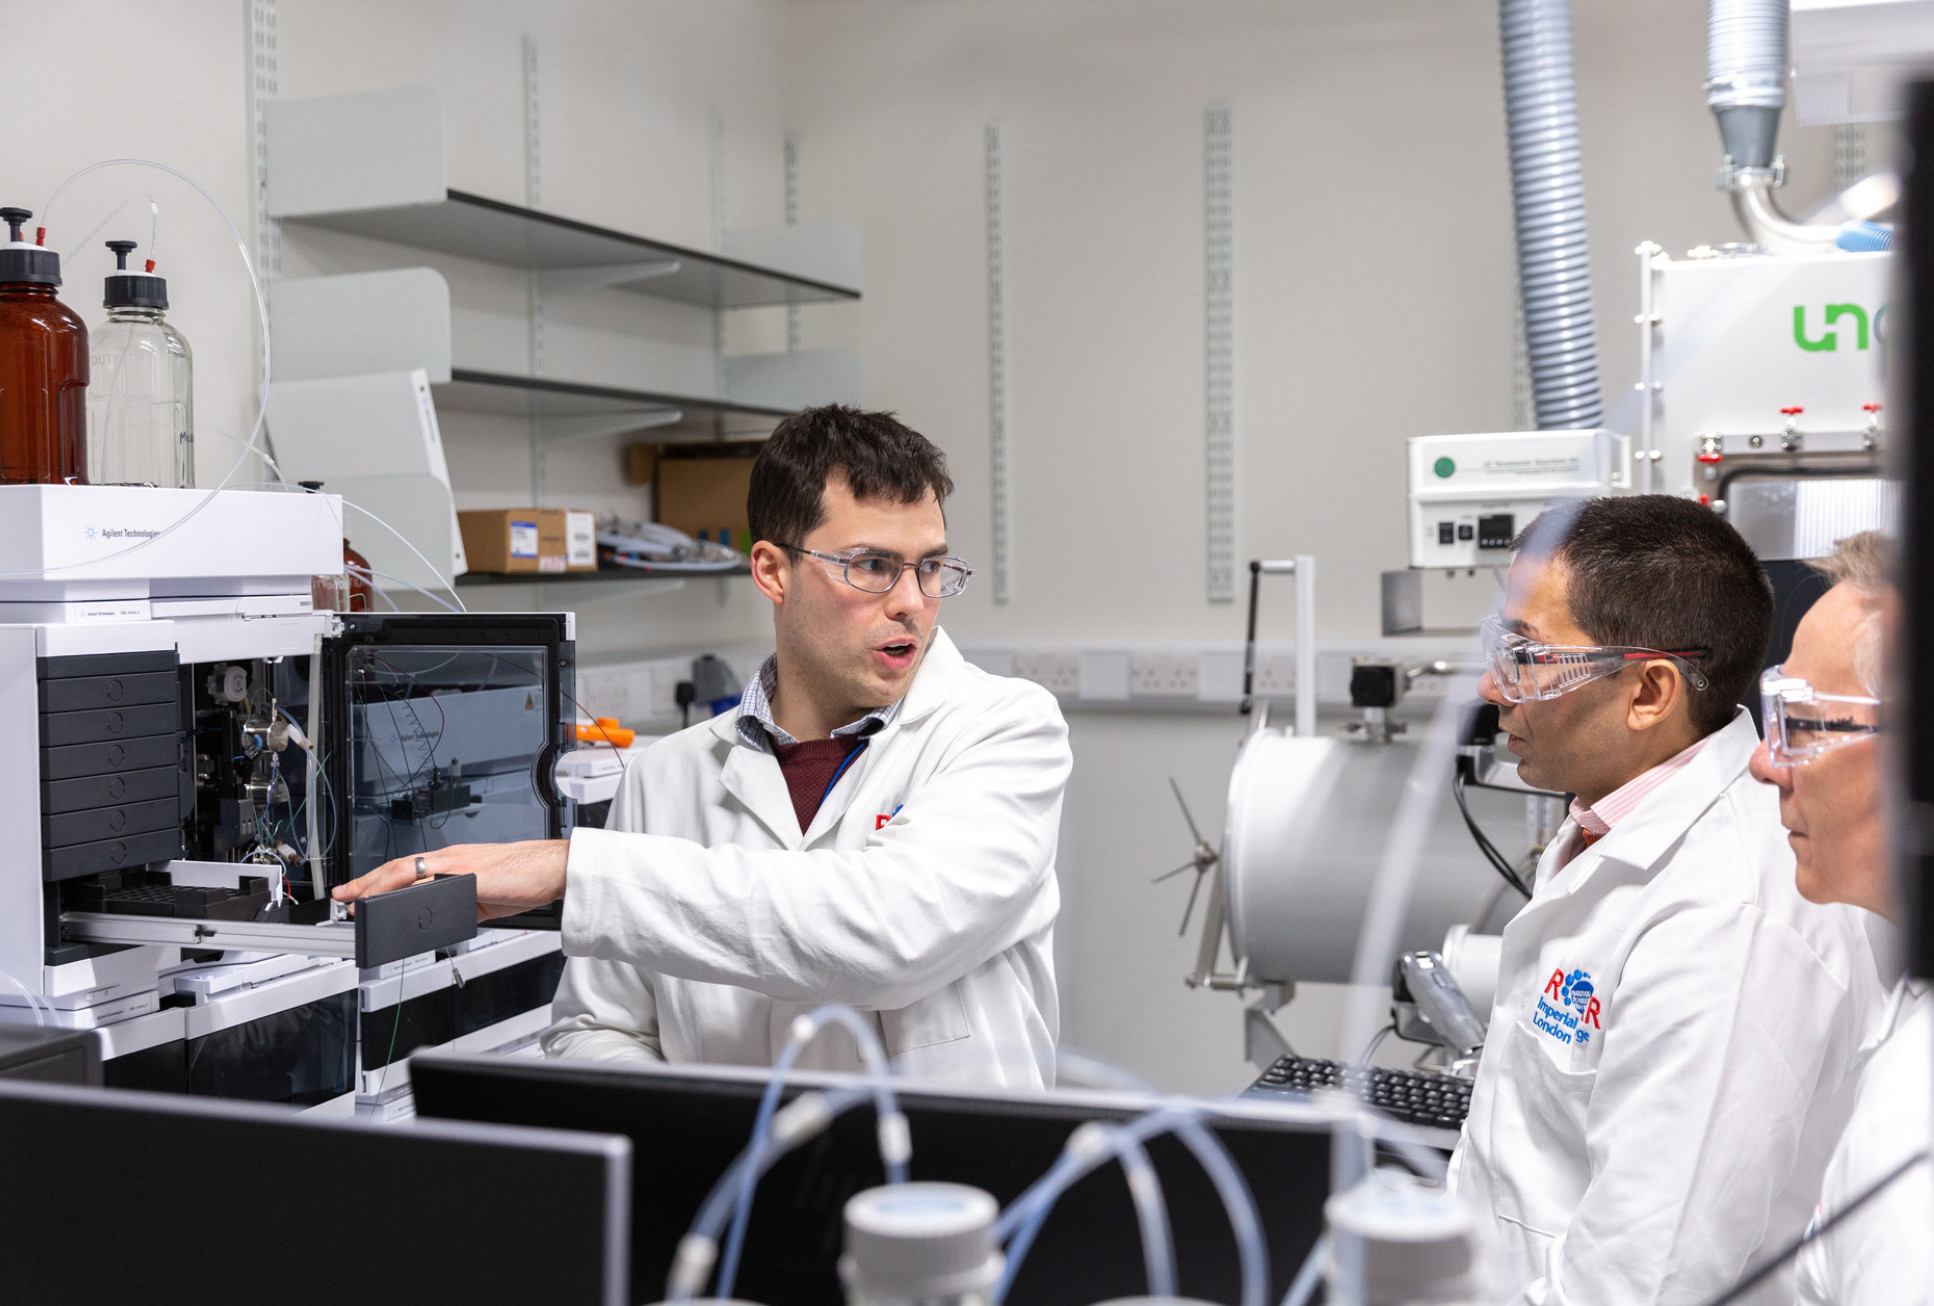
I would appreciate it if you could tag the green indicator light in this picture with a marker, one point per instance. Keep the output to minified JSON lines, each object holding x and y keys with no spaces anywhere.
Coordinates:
{"x":1444,"y":467}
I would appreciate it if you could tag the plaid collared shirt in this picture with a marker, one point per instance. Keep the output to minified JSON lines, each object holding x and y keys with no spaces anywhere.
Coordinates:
{"x":758,"y":729}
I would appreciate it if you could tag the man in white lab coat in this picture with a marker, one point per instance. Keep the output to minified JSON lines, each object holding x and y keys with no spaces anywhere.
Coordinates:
{"x":1670,"y":1054}
{"x":1823,"y":710}
{"x":874,"y":825}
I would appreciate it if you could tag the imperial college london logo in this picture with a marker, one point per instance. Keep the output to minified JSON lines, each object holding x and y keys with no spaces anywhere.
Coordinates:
{"x":1567,"y":1011}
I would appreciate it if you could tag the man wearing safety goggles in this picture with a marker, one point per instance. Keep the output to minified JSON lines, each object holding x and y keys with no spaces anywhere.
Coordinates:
{"x":1671,"y":1052}
{"x":1823,"y":713}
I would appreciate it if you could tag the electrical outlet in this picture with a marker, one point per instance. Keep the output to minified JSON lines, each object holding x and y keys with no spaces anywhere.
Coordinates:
{"x":1275,"y":675}
{"x":1056,"y":670}
{"x":1164,"y":675}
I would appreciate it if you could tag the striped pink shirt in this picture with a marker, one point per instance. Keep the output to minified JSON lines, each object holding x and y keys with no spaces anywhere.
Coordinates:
{"x":1596,"y":821}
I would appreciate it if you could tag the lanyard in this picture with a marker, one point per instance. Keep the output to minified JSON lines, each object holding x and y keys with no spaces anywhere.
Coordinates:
{"x":827,"y":792}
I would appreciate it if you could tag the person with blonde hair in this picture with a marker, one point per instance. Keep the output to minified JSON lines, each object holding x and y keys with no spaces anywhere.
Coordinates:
{"x":1824,"y":709}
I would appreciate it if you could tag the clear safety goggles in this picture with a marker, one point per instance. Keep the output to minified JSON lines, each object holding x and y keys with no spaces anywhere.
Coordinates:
{"x":1802,"y":723}
{"x":1528,"y":671}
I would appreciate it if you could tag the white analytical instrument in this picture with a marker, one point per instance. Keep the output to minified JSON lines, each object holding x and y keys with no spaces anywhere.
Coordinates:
{"x":193,"y":754}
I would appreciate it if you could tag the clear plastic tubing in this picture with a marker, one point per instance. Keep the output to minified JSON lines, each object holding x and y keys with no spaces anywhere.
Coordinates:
{"x":892,"y":1124}
{"x":1023,"y":1219}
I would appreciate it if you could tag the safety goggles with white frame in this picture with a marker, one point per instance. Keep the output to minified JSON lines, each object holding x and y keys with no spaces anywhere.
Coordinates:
{"x":1802,"y":723}
{"x":1529,"y":671}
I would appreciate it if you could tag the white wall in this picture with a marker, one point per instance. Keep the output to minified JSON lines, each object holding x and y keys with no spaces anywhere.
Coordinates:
{"x":1374,"y":259}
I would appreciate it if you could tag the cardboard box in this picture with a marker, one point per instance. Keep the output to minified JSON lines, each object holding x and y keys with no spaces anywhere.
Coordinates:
{"x":580,"y":540}
{"x":701,"y":488}
{"x":515,"y":541}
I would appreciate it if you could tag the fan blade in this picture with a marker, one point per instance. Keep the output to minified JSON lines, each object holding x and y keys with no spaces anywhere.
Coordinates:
{"x":1189,"y":910}
{"x":1186,"y":816}
{"x":1169,"y":875}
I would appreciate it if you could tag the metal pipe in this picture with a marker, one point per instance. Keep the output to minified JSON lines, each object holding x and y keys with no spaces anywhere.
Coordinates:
{"x":1305,"y":645}
{"x":1753,"y":205}
{"x":1746,"y":90}
{"x":1548,"y":196}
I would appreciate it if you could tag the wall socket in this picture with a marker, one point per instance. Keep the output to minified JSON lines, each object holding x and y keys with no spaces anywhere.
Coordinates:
{"x":1164,"y":675}
{"x":634,"y":692}
{"x":1056,"y":670}
{"x":1276,"y":676}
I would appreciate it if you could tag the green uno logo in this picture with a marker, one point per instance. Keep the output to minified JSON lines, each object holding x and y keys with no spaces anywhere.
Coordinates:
{"x":1838,"y":322}
{"x":1444,"y":467}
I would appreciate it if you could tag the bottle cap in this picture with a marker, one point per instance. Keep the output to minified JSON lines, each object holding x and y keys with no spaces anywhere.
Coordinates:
{"x":20,"y":259}
{"x":132,"y":288}
{"x":920,"y":1240}
{"x":1393,"y":1240}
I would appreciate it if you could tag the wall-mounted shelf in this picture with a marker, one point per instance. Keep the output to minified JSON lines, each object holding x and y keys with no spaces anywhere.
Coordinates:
{"x":605,"y":576}
{"x":571,"y":255}
{"x":374,"y":165}
{"x":569,"y":409}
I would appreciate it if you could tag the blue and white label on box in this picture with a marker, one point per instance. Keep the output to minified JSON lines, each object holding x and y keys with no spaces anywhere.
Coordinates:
{"x":523,"y":539}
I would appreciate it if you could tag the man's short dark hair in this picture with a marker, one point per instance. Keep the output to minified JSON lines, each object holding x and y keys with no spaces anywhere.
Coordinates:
{"x":881,"y":458}
{"x":1658,"y":571}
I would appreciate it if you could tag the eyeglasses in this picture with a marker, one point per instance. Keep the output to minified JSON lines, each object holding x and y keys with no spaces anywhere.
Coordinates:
{"x":877,"y":572}
{"x":1802,"y":723}
{"x":1527,"y":671}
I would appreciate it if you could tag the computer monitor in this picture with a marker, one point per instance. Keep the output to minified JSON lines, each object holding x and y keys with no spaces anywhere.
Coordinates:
{"x":109,"y":1195}
{"x":687,"y":1123}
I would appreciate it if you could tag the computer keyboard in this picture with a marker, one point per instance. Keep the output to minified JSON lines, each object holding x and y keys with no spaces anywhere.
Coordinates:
{"x":1417,"y":1097}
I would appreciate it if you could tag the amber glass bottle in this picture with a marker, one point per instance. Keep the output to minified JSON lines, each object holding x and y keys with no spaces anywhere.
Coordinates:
{"x":362,"y":583}
{"x":43,"y":368}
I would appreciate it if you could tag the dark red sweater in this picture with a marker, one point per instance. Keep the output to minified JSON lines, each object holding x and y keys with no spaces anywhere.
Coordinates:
{"x":809,"y":767}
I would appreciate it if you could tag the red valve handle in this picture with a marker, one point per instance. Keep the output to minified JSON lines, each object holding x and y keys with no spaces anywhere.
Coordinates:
{"x":1870,"y":408}
{"x":1790,"y":412}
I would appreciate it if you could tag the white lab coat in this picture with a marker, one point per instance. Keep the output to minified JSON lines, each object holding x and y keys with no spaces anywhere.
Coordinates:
{"x":1671,"y":1054}
{"x":1883,"y":1254}
{"x":701,"y":921}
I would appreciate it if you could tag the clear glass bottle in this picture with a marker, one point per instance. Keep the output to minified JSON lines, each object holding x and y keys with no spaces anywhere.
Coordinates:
{"x":43,"y":368}
{"x":140,"y":400}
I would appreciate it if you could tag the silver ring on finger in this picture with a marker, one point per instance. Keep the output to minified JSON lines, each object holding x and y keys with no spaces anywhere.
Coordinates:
{"x":422,"y":868}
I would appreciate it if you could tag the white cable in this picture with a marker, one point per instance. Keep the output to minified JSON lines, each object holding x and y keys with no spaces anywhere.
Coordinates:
{"x":284,"y":485}
{"x":154,"y":226}
{"x":262,"y":316}
{"x":369,"y":572}
{"x":413,"y":549}
{"x":34,"y":1000}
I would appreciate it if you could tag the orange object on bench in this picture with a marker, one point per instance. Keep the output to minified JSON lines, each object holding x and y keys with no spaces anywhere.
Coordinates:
{"x":606,"y":731}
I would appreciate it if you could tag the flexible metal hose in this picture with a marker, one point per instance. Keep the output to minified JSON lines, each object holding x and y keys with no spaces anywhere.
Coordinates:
{"x":1746,"y":76}
{"x":1548,"y":193}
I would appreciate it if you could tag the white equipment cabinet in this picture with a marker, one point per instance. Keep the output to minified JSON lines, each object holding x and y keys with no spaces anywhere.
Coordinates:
{"x":167,"y":838}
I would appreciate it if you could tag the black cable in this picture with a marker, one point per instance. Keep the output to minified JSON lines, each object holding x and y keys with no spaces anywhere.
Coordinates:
{"x":1376,"y":1043}
{"x":1484,"y":845}
{"x":1760,"y":1275}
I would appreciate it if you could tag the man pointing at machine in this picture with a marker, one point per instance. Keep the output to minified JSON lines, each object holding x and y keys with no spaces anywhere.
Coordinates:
{"x":1671,"y":1053}
{"x":874,"y":825}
